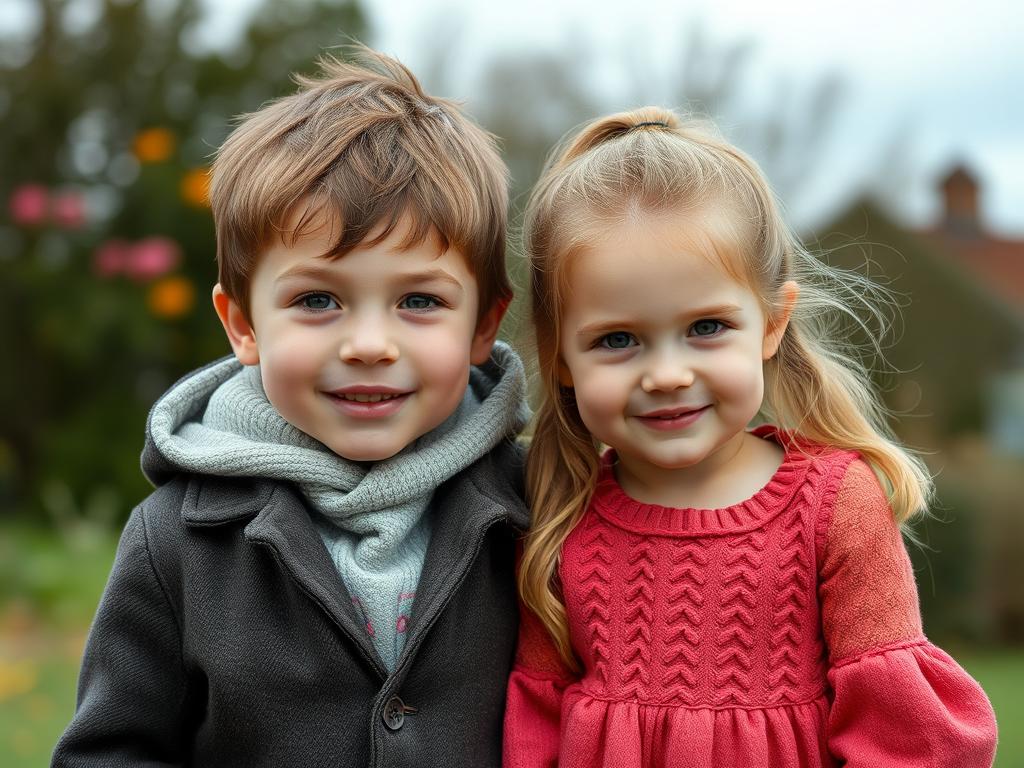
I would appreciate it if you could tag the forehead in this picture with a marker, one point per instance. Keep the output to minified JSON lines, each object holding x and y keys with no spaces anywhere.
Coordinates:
{"x":646,"y":264}
{"x":312,"y":236}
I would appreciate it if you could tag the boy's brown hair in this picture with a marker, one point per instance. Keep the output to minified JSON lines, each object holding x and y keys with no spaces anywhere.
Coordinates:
{"x":365,"y":143}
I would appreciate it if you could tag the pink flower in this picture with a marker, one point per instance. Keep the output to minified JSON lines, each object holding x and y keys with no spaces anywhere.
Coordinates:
{"x":112,"y":257}
{"x":29,"y":204}
{"x":69,"y":210}
{"x":153,"y":257}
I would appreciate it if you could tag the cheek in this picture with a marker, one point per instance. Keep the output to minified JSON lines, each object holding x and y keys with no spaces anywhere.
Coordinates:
{"x":289,"y":367}
{"x":600,"y":396}
{"x":740,"y":377}
{"x":442,"y":360}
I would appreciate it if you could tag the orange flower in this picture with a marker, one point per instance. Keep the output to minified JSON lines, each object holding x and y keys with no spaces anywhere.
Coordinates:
{"x":195,"y":187}
{"x":154,"y":145}
{"x":171,"y":297}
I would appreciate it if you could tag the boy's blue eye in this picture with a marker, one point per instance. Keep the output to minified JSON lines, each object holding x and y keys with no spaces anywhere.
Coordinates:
{"x":318,"y":302}
{"x":419,"y":301}
{"x":707,"y":327}
{"x":617,"y":340}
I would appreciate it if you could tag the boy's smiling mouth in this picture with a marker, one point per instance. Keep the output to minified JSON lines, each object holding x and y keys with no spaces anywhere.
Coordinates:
{"x":367,"y":398}
{"x":368,"y":401}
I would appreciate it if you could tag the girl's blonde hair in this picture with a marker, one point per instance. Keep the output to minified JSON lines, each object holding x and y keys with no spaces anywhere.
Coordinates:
{"x":648,"y":161}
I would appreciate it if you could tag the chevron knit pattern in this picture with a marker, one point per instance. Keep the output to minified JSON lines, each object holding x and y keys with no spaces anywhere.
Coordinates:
{"x":702,"y":607}
{"x":702,"y":636}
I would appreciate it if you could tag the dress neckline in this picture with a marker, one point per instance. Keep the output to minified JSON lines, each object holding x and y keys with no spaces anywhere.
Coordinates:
{"x":615,"y":505}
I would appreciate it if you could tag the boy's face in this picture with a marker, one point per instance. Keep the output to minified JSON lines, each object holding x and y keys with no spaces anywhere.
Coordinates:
{"x":366,"y":352}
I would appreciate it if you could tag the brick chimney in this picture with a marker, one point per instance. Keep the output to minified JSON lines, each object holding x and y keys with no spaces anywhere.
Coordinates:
{"x":960,"y":194}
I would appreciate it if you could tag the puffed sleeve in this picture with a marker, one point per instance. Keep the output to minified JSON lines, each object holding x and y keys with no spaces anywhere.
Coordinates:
{"x":899,"y":700}
{"x":132,"y":688}
{"x":534,"y":699}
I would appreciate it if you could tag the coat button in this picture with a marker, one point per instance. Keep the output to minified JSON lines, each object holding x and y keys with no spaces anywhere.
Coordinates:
{"x":394,"y":713}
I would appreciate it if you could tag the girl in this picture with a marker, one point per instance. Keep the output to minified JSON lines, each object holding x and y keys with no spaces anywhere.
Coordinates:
{"x":700,"y":594}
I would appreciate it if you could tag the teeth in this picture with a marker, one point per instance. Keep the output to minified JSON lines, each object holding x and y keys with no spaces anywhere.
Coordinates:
{"x":375,"y":398}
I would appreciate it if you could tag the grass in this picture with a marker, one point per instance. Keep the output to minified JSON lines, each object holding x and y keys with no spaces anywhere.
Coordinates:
{"x":49,"y":588}
{"x":1002,"y":676}
{"x":37,"y":699}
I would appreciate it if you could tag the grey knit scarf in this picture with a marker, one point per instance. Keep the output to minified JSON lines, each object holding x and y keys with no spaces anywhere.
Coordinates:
{"x":370,"y":517}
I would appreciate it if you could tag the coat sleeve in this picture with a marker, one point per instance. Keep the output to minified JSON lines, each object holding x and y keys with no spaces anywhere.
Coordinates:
{"x":132,"y":686}
{"x":534,"y":700}
{"x":899,"y":700}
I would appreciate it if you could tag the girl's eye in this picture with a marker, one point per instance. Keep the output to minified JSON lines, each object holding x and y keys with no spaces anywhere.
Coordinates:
{"x":617,"y":340}
{"x":417,"y":301}
{"x":707,"y":327}
{"x":318,"y":302}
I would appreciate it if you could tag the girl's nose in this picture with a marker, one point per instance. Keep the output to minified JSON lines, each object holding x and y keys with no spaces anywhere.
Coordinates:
{"x":666,"y":372}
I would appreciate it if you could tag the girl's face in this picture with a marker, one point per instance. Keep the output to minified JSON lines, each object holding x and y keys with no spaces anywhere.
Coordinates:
{"x":663,"y":348}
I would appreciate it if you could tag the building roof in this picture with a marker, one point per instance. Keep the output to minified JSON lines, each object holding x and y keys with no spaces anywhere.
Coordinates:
{"x":961,"y":234}
{"x":997,"y":262}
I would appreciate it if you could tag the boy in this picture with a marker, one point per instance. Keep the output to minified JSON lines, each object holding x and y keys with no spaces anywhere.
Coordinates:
{"x":324,"y":573}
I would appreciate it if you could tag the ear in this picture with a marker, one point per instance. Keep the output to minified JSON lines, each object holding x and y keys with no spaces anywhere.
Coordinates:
{"x":486,"y":332}
{"x":777,"y":324}
{"x":564,"y":374}
{"x":238,"y":328}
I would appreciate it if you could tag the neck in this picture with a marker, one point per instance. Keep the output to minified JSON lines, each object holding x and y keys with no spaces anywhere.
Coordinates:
{"x":731,"y":474}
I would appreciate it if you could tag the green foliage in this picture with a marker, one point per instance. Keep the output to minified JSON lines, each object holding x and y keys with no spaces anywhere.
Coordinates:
{"x":946,"y":568}
{"x":120,"y":113}
{"x":53,"y":579}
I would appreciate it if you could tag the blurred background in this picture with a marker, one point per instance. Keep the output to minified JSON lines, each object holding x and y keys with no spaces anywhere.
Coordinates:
{"x":892,"y":132}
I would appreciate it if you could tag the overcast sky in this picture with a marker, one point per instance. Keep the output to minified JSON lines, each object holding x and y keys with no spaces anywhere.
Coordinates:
{"x":947,"y":76}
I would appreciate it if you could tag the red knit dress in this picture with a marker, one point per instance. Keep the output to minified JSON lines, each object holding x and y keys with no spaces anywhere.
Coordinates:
{"x":782,"y":631}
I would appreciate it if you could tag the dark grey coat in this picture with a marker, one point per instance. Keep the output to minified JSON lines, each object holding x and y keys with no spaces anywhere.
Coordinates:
{"x":226,"y":638}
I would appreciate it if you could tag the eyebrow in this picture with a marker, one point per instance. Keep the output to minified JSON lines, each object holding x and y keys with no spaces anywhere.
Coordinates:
{"x":317,"y":272}
{"x":606,"y":326}
{"x":305,"y":270}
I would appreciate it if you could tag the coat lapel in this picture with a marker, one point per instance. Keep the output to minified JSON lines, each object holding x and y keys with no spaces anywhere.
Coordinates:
{"x":285,"y":527}
{"x":464,"y":509}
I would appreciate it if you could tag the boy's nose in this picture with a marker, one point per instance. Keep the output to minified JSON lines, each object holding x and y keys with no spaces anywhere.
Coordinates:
{"x":667,"y":372}
{"x":368,"y":343}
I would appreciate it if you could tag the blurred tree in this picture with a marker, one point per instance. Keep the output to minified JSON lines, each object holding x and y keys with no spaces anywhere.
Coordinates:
{"x":531,"y":101}
{"x":109,"y":113}
{"x":970,"y":568}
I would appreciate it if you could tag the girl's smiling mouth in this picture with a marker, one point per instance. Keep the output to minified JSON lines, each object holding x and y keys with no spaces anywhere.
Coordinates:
{"x":671,"y":418}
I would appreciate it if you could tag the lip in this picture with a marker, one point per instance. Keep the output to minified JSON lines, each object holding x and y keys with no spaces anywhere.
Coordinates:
{"x":368,"y":389}
{"x":668,"y":419}
{"x":368,"y":410}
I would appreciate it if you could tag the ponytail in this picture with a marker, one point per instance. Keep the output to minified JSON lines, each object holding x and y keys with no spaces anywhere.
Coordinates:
{"x":612,"y":127}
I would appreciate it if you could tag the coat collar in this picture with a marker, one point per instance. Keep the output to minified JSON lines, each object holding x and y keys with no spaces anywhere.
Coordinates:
{"x":275,"y":515}
{"x":493,"y":481}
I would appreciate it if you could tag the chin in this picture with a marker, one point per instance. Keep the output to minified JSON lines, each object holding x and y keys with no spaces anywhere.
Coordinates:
{"x":363,"y":451}
{"x":677,"y":461}
{"x":368,"y":455}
